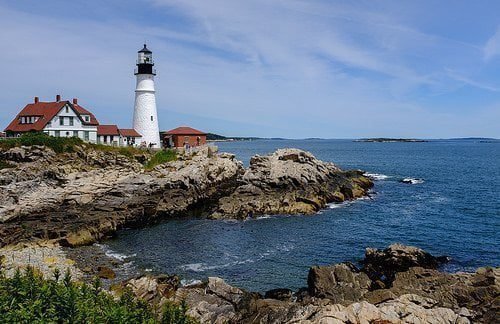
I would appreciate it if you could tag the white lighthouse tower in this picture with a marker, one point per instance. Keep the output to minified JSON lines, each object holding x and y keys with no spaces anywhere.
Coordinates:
{"x":145,"y":115}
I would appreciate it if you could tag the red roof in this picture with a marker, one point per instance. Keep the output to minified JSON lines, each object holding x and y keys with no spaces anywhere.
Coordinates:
{"x":46,"y":111}
{"x":128,"y":132}
{"x":184,"y":130}
{"x":107,"y":130}
{"x":82,"y":111}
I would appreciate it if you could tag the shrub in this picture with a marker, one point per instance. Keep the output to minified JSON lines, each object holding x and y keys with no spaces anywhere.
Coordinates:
{"x":161,"y":157}
{"x":58,"y":144}
{"x":29,"y":298}
{"x":64,"y":144}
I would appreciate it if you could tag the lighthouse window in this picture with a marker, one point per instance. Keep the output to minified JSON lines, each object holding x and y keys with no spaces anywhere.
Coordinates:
{"x":151,"y":118}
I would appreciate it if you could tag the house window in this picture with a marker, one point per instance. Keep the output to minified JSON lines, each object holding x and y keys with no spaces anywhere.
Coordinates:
{"x":22,"y":120}
{"x":67,"y":134}
{"x":57,"y":133}
{"x":71,"y":121}
{"x":151,"y":118}
{"x":105,"y":138}
{"x":49,"y":124}
{"x":87,"y":118}
{"x":67,"y":109}
{"x":61,"y":121}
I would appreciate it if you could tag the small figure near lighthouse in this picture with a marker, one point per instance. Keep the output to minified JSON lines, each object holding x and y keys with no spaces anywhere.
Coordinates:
{"x":145,"y":115}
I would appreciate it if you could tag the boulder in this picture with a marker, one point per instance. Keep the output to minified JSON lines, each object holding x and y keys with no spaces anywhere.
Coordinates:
{"x":384,"y":264}
{"x":342,"y":283}
{"x":279,"y":294}
{"x":105,"y":273}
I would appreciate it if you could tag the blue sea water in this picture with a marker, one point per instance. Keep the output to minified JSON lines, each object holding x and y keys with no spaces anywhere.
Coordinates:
{"x":455,"y":211}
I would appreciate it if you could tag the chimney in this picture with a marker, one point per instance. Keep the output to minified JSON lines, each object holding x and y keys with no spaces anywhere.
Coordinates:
{"x":58,"y":98}
{"x":75,"y":101}
{"x":36,"y":99}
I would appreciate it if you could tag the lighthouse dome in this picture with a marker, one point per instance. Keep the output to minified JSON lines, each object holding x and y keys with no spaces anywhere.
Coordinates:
{"x":145,"y":50}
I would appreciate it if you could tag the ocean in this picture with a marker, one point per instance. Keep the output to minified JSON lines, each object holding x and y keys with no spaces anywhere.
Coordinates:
{"x":452,"y":209}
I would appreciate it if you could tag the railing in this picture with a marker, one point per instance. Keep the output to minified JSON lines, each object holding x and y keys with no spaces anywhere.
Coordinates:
{"x":136,"y":71}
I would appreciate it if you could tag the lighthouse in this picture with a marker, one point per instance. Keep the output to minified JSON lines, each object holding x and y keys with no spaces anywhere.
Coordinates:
{"x":145,"y":115}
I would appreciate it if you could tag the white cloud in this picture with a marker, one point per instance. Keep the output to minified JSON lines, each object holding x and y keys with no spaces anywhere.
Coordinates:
{"x":282,"y":68}
{"x":492,"y":47}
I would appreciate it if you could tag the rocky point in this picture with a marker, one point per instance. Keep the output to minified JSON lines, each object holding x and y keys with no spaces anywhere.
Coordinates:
{"x":89,"y":194}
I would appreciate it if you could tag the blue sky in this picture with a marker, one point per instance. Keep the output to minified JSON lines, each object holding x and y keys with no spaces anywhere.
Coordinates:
{"x":283,"y":68}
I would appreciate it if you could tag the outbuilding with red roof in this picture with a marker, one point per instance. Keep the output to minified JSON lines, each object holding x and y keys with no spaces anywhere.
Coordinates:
{"x":183,"y":136}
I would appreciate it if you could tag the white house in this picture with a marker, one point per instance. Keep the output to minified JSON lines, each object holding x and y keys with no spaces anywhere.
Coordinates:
{"x":62,"y":118}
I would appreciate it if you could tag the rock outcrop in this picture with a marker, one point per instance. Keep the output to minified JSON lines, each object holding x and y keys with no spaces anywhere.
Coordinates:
{"x":290,"y":181}
{"x":344,"y":294}
{"x":84,"y":196}
{"x":382,"y":265}
{"x":87,"y":195}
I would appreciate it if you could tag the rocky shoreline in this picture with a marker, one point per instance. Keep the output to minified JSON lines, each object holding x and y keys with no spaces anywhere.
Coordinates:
{"x":57,"y":205}
{"x":83,"y":197}
{"x":399,"y":284}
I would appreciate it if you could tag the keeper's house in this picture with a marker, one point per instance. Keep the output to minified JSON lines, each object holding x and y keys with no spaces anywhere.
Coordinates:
{"x":62,"y":118}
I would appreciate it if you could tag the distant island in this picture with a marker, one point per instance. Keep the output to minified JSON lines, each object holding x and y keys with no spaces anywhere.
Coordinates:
{"x":390,"y":140}
{"x":220,"y":138}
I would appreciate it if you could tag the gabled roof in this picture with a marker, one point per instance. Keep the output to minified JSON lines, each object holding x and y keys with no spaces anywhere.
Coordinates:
{"x":185,"y":130}
{"x":46,"y":111}
{"x":82,"y":111}
{"x":128,"y":132}
{"x":107,"y":130}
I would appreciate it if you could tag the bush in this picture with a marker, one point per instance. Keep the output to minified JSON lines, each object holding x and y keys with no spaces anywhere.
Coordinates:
{"x":29,"y":298}
{"x":161,"y":157}
{"x":64,"y":144}
{"x":58,"y":144}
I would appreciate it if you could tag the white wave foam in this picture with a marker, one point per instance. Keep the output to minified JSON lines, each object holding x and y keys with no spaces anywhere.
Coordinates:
{"x":201,"y":267}
{"x":196,"y":267}
{"x":115,"y":255}
{"x":376,"y":176}
{"x":190,"y":282}
{"x":337,"y":205}
{"x":412,"y":180}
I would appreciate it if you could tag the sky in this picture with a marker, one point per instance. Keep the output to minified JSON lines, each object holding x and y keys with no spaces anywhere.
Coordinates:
{"x":267,"y":68}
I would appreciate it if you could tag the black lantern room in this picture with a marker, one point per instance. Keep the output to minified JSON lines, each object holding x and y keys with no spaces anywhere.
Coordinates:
{"x":145,"y":62}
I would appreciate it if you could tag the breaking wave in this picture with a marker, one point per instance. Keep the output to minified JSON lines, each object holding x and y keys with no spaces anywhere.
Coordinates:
{"x":412,"y":180}
{"x":115,"y":255}
{"x":376,"y":176}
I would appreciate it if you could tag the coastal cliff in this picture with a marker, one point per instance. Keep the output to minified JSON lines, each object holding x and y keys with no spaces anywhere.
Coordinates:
{"x":83,"y":196}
